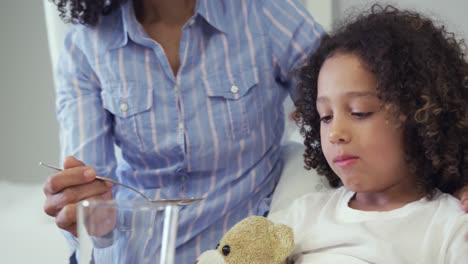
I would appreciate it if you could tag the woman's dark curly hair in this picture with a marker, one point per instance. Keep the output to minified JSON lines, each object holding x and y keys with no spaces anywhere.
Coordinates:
{"x":86,"y":12}
{"x":422,"y":73}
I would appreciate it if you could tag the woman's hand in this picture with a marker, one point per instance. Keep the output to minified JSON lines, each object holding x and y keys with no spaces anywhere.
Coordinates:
{"x":66,"y":188}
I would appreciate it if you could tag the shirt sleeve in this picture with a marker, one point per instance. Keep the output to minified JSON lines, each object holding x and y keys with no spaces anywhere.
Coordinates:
{"x":85,"y":126}
{"x":457,"y":248}
{"x":294,"y":34}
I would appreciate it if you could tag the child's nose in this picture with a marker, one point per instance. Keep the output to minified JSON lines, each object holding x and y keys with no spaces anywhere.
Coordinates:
{"x":338,"y":136}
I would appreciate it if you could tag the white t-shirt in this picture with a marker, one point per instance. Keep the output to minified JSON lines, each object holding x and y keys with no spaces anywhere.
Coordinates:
{"x":327,"y":230}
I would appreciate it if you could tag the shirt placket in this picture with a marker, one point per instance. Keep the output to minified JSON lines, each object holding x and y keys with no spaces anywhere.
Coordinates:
{"x":181,"y":170}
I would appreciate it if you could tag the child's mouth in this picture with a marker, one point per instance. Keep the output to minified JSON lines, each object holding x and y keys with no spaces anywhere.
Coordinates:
{"x":345,"y":160}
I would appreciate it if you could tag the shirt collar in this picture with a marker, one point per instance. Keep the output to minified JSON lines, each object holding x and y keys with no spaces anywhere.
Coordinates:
{"x":128,"y":25}
{"x":213,"y":11}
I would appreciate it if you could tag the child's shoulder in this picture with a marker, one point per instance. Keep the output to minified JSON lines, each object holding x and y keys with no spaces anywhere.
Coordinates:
{"x":446,"y":205}
{"x":445,"y":215}
{"x":449,"y":226}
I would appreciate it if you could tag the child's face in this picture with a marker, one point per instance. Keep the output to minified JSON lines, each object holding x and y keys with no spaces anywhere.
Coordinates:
{"x":360,"y":139}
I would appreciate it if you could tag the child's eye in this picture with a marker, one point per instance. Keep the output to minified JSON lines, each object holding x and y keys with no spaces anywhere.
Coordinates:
{"x":361,"y":115}
{"x":326,"y":119}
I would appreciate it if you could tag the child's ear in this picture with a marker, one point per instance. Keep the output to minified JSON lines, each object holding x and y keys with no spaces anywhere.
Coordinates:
{"x":293,"y":116}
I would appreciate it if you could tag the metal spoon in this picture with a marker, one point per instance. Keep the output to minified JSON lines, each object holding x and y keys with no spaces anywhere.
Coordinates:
{"x":161,"y":201}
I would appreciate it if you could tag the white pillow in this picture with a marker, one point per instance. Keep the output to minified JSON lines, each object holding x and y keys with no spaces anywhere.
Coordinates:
{"x":28,"y":235}
{"x":295,"y":180}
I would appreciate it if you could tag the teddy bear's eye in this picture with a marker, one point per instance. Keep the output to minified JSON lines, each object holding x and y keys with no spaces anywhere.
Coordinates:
{"x":217,"y":246}
{"x":226,"y":250}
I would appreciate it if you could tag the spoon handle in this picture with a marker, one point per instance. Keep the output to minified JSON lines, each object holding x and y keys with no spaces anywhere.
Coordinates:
{"x":124,"y":185}
{"x":49,"y":166}
{"x":102,"y":179}
{"x":161,"y":201}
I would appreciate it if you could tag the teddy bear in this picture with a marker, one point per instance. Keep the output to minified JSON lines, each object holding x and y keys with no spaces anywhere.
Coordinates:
{"x":254,"y":240}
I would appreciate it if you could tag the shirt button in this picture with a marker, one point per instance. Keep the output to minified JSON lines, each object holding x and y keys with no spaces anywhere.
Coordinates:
{"x":191,"y":21}
{"x":124,"y":107}
{"x":181,"y":125}
{"x":234,"y":89}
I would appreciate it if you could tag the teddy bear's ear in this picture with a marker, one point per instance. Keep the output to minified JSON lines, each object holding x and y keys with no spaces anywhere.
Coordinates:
{"x":283,"y":238}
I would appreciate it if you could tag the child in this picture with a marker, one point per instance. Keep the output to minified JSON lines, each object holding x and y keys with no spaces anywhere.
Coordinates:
{"x":384,"y":113}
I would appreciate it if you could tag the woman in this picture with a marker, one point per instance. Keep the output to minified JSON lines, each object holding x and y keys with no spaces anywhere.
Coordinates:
{"x":190,"y":95}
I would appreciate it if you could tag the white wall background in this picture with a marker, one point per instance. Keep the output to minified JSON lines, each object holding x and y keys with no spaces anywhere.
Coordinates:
{"x":28,"y":127}
{"x":451,"y":12}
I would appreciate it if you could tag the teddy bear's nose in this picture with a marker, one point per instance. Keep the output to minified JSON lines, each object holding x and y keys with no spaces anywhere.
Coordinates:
{"x":226,"y":250}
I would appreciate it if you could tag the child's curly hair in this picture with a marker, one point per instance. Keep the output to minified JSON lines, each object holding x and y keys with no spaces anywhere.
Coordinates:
{"x":86,"y":12}
{"x":421,"y":73}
